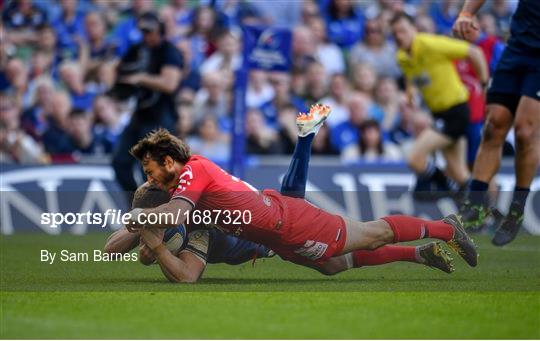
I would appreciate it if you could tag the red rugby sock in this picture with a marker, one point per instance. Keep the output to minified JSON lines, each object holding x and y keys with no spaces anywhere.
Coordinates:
{"x":407,"y":228}
{"x":384,"y":254}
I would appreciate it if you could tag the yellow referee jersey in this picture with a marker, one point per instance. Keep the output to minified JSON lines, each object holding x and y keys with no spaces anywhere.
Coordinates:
{"x":430,"y":67}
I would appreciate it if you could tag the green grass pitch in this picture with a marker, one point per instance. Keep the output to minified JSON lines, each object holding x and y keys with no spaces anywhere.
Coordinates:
{"x":274,"y":299}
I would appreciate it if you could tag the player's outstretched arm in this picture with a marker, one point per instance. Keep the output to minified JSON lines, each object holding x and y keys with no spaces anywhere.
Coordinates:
{"x":478,"y":61}
{"x":184,"y":268}
{"x":121,"y":241}
{"x":464,"y":23}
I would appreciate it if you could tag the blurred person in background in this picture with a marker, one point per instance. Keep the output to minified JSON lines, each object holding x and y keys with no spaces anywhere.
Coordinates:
{"x":281,"y":13}
{"x":69,"y":29}
{"x":21,"y":19}
{"x":126,"y":33}
{"x":15,"y":145}
{"x":34,"y":119}
{"x":227,"y":58}
{"x":316,"y":84}
{"x":154,"y":85}
{"x":200,"y":37}
{"x":16,"y":74}
{"x":310,"y":11}
{"x":109,"y":122}
{"x":55,"y":137}
{"x":375,"y":50}
{"x":337,"y":100}
{"x":386,"y":96}
{"x":212,"y":99}
{"x":261,"y":139}
{"x":427,"y":62}
{"x":283,"y":97}
{"x":322,"y":143}
{"x":371,"y":147}
{"x":81,"y":136}
{"x":502,"y":11}
{"x":259,"y":90}
{"x":72,"y":78}
{"x":364,"y":78}
{"x":326,"y":52}
{"x":347,"y":133}
{"x":210,"y":141}
{"x":444,"y":13}
{"x":184,"y":124}
{"x":344,"y":22}
{"x":100,"y":48}
{"x":424,"y":23}
{"x":303,"y":47}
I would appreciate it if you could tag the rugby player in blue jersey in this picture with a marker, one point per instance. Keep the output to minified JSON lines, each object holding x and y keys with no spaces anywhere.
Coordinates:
{"x":513,"y":99}
{"x":187,"y":252}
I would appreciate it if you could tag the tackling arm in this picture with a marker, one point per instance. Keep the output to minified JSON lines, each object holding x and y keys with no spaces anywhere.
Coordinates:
{"x":121,"y":241}
{"x":186,"y":268}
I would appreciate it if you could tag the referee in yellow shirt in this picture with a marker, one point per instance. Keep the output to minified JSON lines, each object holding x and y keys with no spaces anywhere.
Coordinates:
{"x":427,"y":61}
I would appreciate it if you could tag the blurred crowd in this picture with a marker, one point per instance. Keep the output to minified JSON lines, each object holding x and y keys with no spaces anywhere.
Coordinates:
{"x":58,"y":62}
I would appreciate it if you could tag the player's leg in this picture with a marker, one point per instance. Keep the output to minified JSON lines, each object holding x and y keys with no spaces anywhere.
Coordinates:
{"x":527,"y":129}
{"x":456,"y":165}
{"x":431,"y":254}
{"x":418,"y":160}
{"x":400,"y":228}
{"x":294,"y":181}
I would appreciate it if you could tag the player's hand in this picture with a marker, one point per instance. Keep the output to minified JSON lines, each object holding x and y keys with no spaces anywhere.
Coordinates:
{"x":146,"y":256}
{"x":152,"y":237}
{"x":134,"y":225}
{"x":464,"y":26}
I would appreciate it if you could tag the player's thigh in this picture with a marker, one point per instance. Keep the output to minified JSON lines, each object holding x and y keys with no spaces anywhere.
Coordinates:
{"x":527,"y":122}
{"x":428,"y":142}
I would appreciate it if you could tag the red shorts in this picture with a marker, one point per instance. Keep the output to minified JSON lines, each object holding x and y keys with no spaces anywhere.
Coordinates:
{"x":309,"y":235}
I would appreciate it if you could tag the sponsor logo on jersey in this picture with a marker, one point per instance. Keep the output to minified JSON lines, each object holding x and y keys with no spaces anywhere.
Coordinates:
{"x":312,"y":250}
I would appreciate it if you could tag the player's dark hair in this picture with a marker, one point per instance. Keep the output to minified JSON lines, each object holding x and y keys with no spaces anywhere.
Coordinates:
{"x":158,"y":144}
{"x":149,"y":196}
{"x":399,"y":16}
{"x":368,"y":124}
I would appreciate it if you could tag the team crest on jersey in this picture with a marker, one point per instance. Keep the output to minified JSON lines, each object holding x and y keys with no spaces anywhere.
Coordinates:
{"x":185,"y":179}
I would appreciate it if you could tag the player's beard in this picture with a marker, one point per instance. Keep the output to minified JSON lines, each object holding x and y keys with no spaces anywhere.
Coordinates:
{"x":169,"y":179}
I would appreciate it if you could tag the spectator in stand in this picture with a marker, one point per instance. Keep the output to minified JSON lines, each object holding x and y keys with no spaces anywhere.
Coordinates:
{"x":126,"y":33}
{"x":210,"y":142}
{"x":375,"y":50}
{"x":444,"y":13}
{"x":200,"y":36}
{"x":337,"y":100}
{"x":109,"y":122}
{"x":387,"y":102}
{"x":346,"y":133}
{"x":34,"y":119}
{"x":303,"y":48}
{"x":212,"y":100}
{"x":288,"y":131}
{"x":55,"y":138}
{"x":191,"y":79}
{"x":502,"y":11}
{"x":227,"y":58}
{"x":371,"y":147}
{"x":180,"y":14}
{"x":15,"y":145}
{"x":488,"y":25}
{"x":259,"y":90}
{"x":322,"y":144}
{"x":316,"y":84}
{"x":81,"y":136}
{"x":425,"y":24}
{"x":261,"y":139}
{"x":69,"y":28}
{"x":21,"y":18}
{"x":283,"y":13}
{"x":46,"y":52}
{"x":184,"y":124}
{"x":73,"y":80}
{"x":364,"y":78}
{"x":327,"y":53}
{"x":310,"y":11}
{"x":283,"y":97}
{"x":16,"y":74}
{"x":345,"y":24}
{"x":100,"y":48}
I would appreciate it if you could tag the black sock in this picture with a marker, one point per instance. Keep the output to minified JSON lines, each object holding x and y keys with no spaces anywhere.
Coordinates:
{"x":519,"y":199}
{"x":477,"y":194}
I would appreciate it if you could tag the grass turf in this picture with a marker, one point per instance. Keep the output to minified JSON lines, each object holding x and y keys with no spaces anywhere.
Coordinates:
{"x":498,"y":299}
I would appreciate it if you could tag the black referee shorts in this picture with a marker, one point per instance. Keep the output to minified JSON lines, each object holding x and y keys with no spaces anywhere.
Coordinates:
{"x":453,"y":122}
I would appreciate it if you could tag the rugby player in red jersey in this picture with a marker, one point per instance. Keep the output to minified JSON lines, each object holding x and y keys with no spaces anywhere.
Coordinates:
{"x":292,"y":227}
